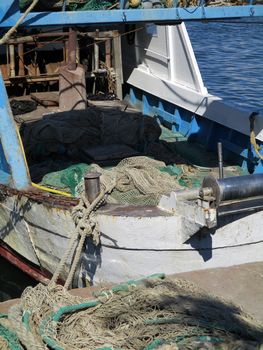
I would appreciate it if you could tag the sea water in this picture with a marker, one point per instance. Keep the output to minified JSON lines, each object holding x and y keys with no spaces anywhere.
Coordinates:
{"x":230,"y":58}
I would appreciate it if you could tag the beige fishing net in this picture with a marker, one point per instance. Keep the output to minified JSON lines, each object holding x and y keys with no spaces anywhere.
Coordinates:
{"x":138,"y":180}
{"x":145,"y":316}
{"x":4,"y":344}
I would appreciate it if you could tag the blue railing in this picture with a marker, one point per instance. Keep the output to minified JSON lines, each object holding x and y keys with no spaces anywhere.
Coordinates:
{"x":10,"y":13}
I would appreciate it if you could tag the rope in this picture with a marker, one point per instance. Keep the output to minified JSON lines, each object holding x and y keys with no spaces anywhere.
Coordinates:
{"x":253,"y":140}
{"x":84,"y":228}
{"x":7,"y":36}
{"x":51,"y":190}
{"x":27,"y":338}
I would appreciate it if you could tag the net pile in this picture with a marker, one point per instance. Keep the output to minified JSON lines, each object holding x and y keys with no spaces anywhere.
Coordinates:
{"x":72,"y":5}
{"x":145,"y":314}
{"x":87,"y":5}
{"x":8,"y":339}
{"x":71,"y":134}
{"x":138,"y":181}
{"x":70,"y":179}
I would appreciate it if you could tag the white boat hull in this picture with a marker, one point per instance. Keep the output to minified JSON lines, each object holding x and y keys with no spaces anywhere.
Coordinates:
{"x":134,"y":241}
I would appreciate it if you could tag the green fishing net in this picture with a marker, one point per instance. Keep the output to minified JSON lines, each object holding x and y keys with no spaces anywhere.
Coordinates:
{"x":68,"y":179}
{"x":71,"y":5}
{"x":91,"y":5}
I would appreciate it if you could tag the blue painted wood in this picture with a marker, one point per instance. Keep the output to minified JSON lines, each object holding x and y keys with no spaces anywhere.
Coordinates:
{"x":5,"y":6}
{"x":122,"y":3}
{"x":5,"y":172}
{"x":240,"y":151}
{"x":169,"y":117}
{"x":13,"y":167}
{"x":171,"y":15}
{"x":237,"y":147}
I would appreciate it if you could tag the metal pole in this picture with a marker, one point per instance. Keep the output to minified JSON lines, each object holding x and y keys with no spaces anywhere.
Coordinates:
{"x":220,"y":160}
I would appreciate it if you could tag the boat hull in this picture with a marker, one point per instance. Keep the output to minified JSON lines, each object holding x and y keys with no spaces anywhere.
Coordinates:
{"x":135,"y":241}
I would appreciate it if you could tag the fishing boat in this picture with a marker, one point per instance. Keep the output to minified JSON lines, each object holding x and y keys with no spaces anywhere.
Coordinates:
{"x":164,"y":126}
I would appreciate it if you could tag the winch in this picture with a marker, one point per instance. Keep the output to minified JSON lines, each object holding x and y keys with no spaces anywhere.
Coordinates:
{"x":232,"y":188}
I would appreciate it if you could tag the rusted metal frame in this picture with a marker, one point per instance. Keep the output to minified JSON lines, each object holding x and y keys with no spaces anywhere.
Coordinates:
{"x":34,"y":37}
{"x":40,"y":197}
{"x":99,"y":34}
{"x":30,"y":79}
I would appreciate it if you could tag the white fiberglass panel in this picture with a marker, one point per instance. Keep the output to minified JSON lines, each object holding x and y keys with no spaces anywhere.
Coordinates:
{"x":152,"y":50}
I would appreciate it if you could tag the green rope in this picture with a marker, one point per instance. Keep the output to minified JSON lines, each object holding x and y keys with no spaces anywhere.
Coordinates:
{"x":10,"y":337}
{"x":56,"y":316}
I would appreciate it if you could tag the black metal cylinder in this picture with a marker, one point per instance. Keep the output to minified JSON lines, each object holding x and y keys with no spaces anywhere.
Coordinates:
{"x":236,"y":187}
{"x":92,"y":185}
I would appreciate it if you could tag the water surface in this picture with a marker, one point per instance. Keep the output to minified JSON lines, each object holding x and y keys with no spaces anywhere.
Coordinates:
{"x":230,"y":57}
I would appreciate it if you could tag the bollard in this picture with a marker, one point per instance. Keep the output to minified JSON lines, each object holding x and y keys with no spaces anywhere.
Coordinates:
{"x":92,"y":185}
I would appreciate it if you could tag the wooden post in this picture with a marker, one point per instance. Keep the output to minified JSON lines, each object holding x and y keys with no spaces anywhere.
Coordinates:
{"x":21,"y":70}
{"x":72,"y":49}
{"x":108,"y":52}
{"x":118,"y":63}
{"x":12,"y":71}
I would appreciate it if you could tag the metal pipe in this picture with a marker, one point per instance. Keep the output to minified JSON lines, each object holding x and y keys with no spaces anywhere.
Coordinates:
{"x":189,"y":194}
{"x":220,"y":160}
{"x":92,"y":185}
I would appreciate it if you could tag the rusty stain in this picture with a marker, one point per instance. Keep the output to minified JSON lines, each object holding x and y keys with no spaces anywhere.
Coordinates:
{"x":135,"y":211}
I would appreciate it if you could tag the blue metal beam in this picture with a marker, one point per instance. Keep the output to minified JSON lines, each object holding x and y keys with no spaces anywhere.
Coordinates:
{"x":163,"y":15}
{"x":13,"y":166}
{"x":7,"y":4}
